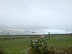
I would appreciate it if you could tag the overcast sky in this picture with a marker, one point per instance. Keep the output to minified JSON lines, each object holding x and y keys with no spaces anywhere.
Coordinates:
{"x":49,"y":13}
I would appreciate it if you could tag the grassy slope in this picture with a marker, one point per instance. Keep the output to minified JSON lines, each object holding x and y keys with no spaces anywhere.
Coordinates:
{"x":17,"y":45}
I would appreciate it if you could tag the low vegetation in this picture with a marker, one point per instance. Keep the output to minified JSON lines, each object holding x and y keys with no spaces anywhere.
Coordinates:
{"x":43,"y":45}
{"x":1,"y":50}
{"x":40,"y":46}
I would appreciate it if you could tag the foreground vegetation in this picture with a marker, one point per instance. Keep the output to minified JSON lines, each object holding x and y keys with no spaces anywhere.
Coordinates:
{"x":40,"y":46}
{"x":22,"y":45}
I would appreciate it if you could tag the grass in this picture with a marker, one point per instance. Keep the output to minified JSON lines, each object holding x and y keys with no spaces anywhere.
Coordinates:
{"x":17,"y":45}
{"x":60,"y":42}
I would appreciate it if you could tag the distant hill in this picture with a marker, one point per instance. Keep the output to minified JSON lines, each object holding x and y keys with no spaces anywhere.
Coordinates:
{"x":11,"y":30}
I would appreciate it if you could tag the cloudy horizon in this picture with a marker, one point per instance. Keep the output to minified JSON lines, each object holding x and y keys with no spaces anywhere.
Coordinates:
{"x":55,"y":14}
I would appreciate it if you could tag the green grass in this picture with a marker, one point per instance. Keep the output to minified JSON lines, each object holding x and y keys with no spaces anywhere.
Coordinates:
{"x":17,"y":45}
{"x":60,"y":42}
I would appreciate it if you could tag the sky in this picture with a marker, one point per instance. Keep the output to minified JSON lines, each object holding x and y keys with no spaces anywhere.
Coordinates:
{"x":49,"y":13}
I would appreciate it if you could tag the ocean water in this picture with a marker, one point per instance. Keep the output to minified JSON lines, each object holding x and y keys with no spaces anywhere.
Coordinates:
{"x":54,"y":31}
{"x":32,"y":31}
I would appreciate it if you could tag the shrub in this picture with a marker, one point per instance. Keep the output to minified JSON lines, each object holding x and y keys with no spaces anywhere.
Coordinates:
{"x":40,"y":46}
{"x":1,"y":50}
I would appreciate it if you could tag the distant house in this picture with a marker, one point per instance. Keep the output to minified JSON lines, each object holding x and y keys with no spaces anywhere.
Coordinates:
{"x":48,"y":33}
{"x":33,"y":32}
{"x":42,"y":36}
{"x":27,"y":37}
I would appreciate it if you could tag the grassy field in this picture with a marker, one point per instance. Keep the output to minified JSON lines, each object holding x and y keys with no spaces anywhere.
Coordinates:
{"x":17,"y":45}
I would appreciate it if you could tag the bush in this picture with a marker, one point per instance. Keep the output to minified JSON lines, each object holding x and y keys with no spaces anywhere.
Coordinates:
{"x":1,"y":50}
{"x":40,"y":46}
